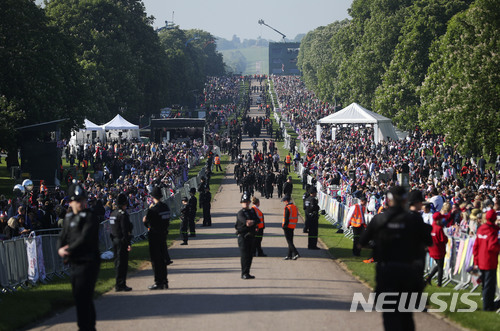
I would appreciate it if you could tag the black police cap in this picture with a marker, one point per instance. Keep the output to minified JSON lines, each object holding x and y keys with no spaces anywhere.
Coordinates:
{"x":156,"y":193}
{"x":122,"y":199}
{"x":245,"y":197}
{"x":77,"y":192}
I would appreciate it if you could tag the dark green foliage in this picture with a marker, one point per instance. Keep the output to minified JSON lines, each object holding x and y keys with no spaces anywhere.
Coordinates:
{"x":461,"y":93}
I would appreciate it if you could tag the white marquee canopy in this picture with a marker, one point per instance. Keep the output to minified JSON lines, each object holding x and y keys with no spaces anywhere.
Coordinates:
{"x":356,"y":114}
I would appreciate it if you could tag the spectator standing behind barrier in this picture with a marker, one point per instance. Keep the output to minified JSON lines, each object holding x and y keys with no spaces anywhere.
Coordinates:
{"x":260,"y":228}
{"x":184,"y":221}
{"x":485,"y":250}
{"x":78,"y":245}
{"x":290,"y":219}
{"x":438,"y":249}
{"x":356,"y":217}
{"x":192,"y":203}
{"x":121,"y":234}
{"x":246,"y":222}
{"x":157,"y":220}
{"x":398,"y":237}
{"x":205,"y":201}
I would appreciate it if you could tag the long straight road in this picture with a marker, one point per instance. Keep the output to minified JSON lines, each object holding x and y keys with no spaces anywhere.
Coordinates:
{"x":207,"y":293}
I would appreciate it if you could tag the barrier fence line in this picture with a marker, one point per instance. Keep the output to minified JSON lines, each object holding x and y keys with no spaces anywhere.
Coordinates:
{"x":35,"y":259}
{"x":458,"y":251}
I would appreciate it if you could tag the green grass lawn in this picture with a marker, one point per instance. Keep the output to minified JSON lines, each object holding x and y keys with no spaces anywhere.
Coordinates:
{"x":25,"y":307}
{"x":340,"y":249}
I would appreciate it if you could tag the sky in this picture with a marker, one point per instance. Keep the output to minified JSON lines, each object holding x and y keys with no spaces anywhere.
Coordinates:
{"x":225,"y":18}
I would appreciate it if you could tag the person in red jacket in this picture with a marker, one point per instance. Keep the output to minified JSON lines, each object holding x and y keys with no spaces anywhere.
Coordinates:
{"x":485,"y":250}
{"x":438,"y":249}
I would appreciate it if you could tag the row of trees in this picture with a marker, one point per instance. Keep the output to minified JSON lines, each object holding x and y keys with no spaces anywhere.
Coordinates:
{"x":75,"y":59}
{"x":433,"y":63}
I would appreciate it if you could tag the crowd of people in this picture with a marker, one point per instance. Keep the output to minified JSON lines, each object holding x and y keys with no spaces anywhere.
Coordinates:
{"x":351,"y":164}
{"x":129,"y":167}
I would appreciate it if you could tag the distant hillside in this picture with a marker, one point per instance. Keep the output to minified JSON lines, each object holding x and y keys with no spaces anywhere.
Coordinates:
{"x":247,"y":56}
{"x":248,"y":61}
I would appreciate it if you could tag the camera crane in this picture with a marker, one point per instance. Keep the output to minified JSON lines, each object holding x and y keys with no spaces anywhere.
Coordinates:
{"x":261,"y":22}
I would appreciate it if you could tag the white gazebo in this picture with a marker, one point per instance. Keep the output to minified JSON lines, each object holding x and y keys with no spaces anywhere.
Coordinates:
{"x":90,"y":133}
{"x":119,"y":127}
{"x":356,"y":114}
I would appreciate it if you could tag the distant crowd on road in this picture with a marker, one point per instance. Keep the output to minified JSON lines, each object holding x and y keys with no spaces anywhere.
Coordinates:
{"x":351,"y":164}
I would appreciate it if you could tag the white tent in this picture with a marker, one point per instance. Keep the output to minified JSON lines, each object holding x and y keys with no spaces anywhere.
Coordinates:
{"x":120,"y":127}
{"x":356,"y":114}
{"x":88,"y":134}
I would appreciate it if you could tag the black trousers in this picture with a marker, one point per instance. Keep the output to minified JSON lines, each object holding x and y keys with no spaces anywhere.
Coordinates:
{"x":312,"y":237}
{"x":289,"y":240}
{"x":159,"y":257}
{"x":397,"y":277}
{"x":184,"y":228}
{"x":121,"y":262}
{"x":439,"y":269}
{"x":83,"y":279}
{"x":489,"y":281}
{"x":280,"y":191}
{"x":258,"y":242}
{"x":357,"y":232}
{"x":218,"y":167}
{"x":192,"y":226}
{"x":207,"y":218}
{"x":269,"y":191}
{"x":246,"y":246}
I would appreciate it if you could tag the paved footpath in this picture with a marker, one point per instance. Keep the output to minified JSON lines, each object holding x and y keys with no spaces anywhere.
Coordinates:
{"x":207,"y":293}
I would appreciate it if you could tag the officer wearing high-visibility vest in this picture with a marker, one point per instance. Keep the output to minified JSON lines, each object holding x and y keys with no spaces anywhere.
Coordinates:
{"x":217,"y":163}
{"x":356,"y":217}
{"x":290,"y":218}
{"x":288,"y":161}
{"x":260,"y":228}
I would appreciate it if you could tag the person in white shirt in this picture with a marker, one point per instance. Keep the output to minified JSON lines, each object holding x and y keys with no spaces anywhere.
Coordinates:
{"x":427,"y":215}
{"x":436,"y":200}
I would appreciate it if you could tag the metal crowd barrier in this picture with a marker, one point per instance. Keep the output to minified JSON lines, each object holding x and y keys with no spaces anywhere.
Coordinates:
{"x":14,"y":266}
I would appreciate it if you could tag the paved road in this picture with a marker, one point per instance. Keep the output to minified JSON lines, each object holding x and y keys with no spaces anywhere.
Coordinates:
{"x":207,"y":293}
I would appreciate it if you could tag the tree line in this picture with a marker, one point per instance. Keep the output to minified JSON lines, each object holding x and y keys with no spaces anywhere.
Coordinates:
{"x":427,"y":63}
{"x":75,"y":59}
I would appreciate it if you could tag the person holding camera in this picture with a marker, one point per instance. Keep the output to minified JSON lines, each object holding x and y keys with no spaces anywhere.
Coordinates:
{"x":246,"y":225}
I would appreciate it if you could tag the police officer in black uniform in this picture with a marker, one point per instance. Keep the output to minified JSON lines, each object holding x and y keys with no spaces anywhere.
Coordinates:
{"x":121,"y":234}
{"x":270,"y":179}
{"x":246,"y":222}
{"x":397,"y":236}
{"x":311,"y":208}
{"x":205,"y":201}
{"x":192,"y":203}
{"x":184,"y":220}
{"x":280,"y":180}
{"x":288,"y":187}
{"x":79,"y":245}
{"x":157,"y":220}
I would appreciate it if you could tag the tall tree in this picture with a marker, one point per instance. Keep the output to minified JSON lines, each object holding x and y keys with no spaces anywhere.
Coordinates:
{"x":460,"y":96}
{"x":380,"y":23}
{"x":397,"y":96}
{"x":119,"y":51}
{"x":316,"y":52}
{"x":40,"y":79}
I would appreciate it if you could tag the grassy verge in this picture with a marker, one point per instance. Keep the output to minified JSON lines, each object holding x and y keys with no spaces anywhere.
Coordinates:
{"x":45,"y":300}
{"x":340,"y":249}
